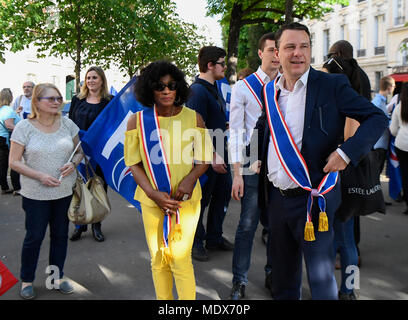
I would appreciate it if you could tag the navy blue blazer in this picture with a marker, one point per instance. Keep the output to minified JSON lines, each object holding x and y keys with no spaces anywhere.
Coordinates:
{"x":329,"y":100}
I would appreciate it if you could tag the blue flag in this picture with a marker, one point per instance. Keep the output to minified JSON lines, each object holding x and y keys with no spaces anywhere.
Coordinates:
{"x":103,"y":142}
{"x":393,"y":172}
{"x":113,"y":91}
{"x":224,"y":89}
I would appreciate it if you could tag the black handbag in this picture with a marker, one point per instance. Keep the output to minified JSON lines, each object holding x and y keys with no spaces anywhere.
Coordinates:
{"x":361,"y":190}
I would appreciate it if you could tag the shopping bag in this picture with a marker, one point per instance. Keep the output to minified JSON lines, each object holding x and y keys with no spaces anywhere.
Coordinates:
{"x":361,"y":190}
{"x":7,"y":280}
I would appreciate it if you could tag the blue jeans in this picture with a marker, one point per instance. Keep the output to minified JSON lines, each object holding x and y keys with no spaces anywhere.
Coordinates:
{"x":217,"y":194}
{"x":344,"y":240}
{"x":244,"y":237}
{"x":38,"y":215}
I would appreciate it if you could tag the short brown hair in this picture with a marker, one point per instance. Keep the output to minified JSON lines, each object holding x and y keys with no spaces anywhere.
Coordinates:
{"x":386,"y":82}
{"x":243,"y":73}
{"x":209,"y":54}
{"x":290,"y":26}
{"x":262,"y":40}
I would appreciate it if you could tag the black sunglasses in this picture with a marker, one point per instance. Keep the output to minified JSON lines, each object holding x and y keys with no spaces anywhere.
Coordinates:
{"x":222,"y":63}
{"x":333,"y":60}
{"x":160,"y":86}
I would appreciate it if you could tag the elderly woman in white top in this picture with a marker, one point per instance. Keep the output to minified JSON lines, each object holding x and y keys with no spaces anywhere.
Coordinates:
{"x":40,"y":149}
{"x":399,"y":129}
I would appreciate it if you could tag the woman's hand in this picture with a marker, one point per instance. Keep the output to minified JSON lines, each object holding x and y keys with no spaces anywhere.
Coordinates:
{"x":185,"y":187}
{"x":48,"y":180}
{"x":67,"y":169}
{"x":165,"y":203}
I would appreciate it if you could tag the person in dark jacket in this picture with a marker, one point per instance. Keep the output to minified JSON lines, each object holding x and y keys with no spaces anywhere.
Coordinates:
{"x":85,"y":108}
{"x":217,"y":189}
{"x":344,"y":49}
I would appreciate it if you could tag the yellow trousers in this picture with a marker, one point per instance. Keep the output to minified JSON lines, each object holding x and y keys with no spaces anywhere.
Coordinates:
{"x":180,"y":266}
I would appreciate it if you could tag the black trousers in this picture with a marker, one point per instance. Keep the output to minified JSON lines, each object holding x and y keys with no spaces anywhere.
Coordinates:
{"x":4,"y":156}
{"x":403,"y":161}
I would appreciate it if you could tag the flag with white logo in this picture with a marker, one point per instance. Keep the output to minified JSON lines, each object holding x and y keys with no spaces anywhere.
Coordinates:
{"x":393,"y":172}
{"x":225,"y":90}
{"x":103,"y":142}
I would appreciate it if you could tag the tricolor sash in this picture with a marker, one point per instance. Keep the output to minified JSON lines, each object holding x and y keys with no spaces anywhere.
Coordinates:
{"x":255,"y":84}
{"x":293,"y":162}
{"x":160,"y":172}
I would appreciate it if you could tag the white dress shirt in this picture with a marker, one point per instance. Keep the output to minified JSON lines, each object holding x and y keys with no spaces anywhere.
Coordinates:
{"x":292,"y":105}
{"x":244,"y":113}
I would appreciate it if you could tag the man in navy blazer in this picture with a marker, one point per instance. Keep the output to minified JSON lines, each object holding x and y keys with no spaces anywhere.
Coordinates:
{"x":314,"y":105}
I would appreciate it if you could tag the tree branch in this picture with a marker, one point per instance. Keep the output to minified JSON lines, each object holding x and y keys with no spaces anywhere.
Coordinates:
{"x":251,"y":6}
{"x":260,"y":20}
{"x":272,"y":10}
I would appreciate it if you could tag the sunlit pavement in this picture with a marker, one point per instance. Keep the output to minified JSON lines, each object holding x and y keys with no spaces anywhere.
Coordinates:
{"x":119,"y":268}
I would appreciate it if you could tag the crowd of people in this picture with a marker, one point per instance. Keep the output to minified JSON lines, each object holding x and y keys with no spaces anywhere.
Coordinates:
{"x":292,"y":130}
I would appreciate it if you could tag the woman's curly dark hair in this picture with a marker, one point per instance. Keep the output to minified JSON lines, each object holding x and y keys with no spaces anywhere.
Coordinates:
{"x":152,"y":74}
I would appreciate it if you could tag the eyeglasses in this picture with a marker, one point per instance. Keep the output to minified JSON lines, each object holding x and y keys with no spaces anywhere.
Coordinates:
{"x":160,"y":86}
{"x":331,"y":60}
{"x":51,"y":99}
{"x":222,"y":63}
{"x":25,"y":87}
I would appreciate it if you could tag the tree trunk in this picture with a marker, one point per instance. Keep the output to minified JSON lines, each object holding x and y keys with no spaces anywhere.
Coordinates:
{"x":233,"y":39}
{"x":288,"y":11}
{"x":78,"y":51}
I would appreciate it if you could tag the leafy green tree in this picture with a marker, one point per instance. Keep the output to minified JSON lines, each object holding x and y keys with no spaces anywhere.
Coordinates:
{"x":130,"y":33}
{"x":144,"y":31}
{"x":238,"y":13}
{"x":64,"y":28}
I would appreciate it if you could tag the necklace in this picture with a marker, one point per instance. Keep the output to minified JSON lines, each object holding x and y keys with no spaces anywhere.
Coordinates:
{"x":45,"y":125}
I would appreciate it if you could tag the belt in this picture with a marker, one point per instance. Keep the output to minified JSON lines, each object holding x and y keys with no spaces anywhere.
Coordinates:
{"x":290,"y":193}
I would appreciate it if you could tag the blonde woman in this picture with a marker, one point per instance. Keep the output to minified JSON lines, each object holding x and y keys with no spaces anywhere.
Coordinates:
{"x":40,"y":148}
{"x":85,"y":108}
{"x":8,"y":120}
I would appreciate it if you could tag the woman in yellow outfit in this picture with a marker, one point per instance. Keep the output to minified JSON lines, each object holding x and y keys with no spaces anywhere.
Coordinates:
{"x":181,"y":150}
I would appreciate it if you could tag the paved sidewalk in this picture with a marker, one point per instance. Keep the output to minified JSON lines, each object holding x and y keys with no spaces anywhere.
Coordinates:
{"x":119,"y":268}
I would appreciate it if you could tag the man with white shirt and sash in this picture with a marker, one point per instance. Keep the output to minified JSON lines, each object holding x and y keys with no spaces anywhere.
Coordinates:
{"x":299,"y":135}
{"x":245,"y":109}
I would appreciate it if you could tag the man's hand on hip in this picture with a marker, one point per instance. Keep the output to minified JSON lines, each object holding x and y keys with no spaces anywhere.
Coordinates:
{"x":335,"y":163}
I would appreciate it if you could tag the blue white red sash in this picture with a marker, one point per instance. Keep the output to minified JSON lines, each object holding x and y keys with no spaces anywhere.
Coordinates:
{"x":159,"y":170}
{"x":255,"y":84}
{"x":291,"y":158}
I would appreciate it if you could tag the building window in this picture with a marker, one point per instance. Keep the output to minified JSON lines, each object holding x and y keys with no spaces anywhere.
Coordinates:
{"x":312,"y":41}
{"x":342,"y":32}
{"x":399,"y":16}
{"x":326,"y":43}
{"x":404,"y":52}
{"x":378,"y":76}
{"x":379,"y":35}
{"x":362,"y":38}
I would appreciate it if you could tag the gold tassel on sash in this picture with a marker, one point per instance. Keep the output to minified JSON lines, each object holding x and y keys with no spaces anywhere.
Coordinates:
{"x":309,"y":231}
{"x":166,"y":255}
{"x":323,"y":222}
{"x":177,"y":234}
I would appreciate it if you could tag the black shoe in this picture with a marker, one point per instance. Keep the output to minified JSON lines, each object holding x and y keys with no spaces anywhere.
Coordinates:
{"x":388,"y":203}
{"x":237,"y":291}
{"x":77,"y":234}
{"x":97,"y":233}
{"x":264,"y":236}
{"x":405,"y":212}
{"x":199,"y":254}
{"x":268,"y":283}
{"x":225,"y":245}
{"x":347,"y":296}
